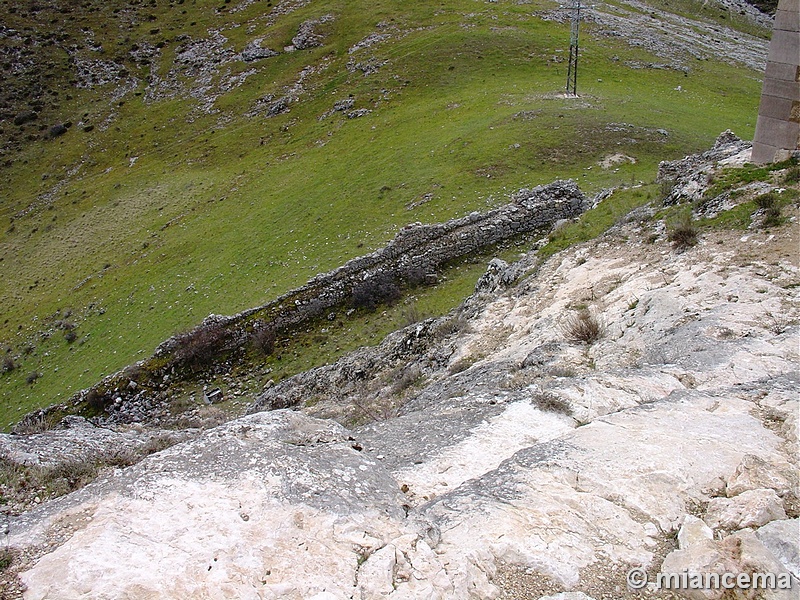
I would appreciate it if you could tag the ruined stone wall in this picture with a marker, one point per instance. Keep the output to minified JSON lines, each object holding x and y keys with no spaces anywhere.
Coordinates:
{"x":778,"y":127}
{"x":416,"y":248}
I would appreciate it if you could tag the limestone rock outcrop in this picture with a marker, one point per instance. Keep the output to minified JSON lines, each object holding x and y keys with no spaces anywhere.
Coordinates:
{"x":514,"y":451}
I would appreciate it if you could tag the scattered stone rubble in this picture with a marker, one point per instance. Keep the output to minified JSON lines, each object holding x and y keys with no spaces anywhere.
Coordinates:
{"x":691,"y":175}
{"x":253,"y":51}
{"x":308,"y":35}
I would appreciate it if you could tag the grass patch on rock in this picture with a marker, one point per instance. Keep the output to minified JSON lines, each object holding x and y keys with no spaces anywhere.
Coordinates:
{"x":599,"y":219}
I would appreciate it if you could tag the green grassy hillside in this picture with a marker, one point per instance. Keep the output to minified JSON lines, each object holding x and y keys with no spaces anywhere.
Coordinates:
{"x":169,"y":200}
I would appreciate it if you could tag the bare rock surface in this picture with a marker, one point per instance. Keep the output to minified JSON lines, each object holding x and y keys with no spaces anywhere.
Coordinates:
{"x":77,"y":439}
{"x":307,"y":34}
{"x":222,"y":516}
{"x":679,"y":40}
{"x":782,"y":538}
{"x":755,"y":473}
{"x":739,"y":553}
{"x":508,"y":447}
{"x":750,"y":509}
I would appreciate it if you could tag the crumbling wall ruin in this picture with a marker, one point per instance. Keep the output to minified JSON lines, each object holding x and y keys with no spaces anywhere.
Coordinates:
{"x":416,"y":249}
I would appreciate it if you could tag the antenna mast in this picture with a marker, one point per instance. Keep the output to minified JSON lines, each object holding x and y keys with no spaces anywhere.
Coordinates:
{"x":572,"y":73}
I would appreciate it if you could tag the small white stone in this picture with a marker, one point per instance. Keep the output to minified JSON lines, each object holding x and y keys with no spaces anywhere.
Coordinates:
{"x":693,"y":532}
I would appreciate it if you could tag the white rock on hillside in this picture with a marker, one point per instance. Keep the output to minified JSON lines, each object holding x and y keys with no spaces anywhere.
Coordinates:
{"x":782,"y":539}
{"x":753,"y":508}
{"x":688,"y":390}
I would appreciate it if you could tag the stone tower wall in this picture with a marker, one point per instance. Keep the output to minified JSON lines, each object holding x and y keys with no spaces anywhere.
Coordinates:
{"x":778,"y":126}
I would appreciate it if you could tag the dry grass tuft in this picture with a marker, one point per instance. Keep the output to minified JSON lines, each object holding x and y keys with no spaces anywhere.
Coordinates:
{"x":584,"y":327}
{"x":682,"y":232}
{"x":549,"y":402}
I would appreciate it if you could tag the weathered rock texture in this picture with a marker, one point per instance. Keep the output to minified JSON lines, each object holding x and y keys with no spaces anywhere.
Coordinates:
{"x":778,"y":126}
{"x":690,"y":176}
{"x":78,"y":440}
{"x":515,"y":449}
{"x":679,"y":40}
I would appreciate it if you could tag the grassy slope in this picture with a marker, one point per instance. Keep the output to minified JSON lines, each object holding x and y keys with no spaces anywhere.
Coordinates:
{"x":209,"y":219}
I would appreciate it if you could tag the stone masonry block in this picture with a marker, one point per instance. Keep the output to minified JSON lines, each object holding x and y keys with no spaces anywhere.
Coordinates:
{"x":775,"y":107}
{"x":782,"y":72}
{"x":781,"y":89}
{"x":787,"y":21}
{"x":784,"y":47}
{"x":777,"y":132}
{"x":778,"y":125}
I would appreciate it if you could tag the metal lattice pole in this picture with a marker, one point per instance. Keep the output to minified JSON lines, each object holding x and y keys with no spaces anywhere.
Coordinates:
{"x":572,"y":72}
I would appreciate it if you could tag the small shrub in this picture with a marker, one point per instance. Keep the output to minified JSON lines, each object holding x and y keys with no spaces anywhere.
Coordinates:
{"x":561,"y":371}
{"x":417,"y":276}
{"x":414,"y":276}
{"x":584,"y":327}
{"x":56,"y":131}
{"x":32,"y":377}
{"x":766,"y":201}
{"x":772,"y":217}
{"x":199,"y":347}
{"x":65,"y":325}
{"x":96,"y":401}
{"x":769,"y":203}
{"x":70,"y":336}
{"x":412,"y":315}
{"x":7,"y":557}
{"x":8,"y":364}
{"x":792,"y":175}
{"x":36,"y":422}
{"x":777,"y":324}
{"x":666,"y":188}
{"x":70,"y":476}
{"x":462,"y":364}
{"x":315,"y":308}
{"x":520,"y":379}
{"x":12,"y":475}
{"x":409,"y":377}
{"x":157,"y":444}
{"x":134,"y":372}
{"x":264,"y":339}
{"x":549,"y":402}
{"x":378,"y":289}
{"x":123,"y":457}
{"x":682,"y":232}
{"x":449,"y":327}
